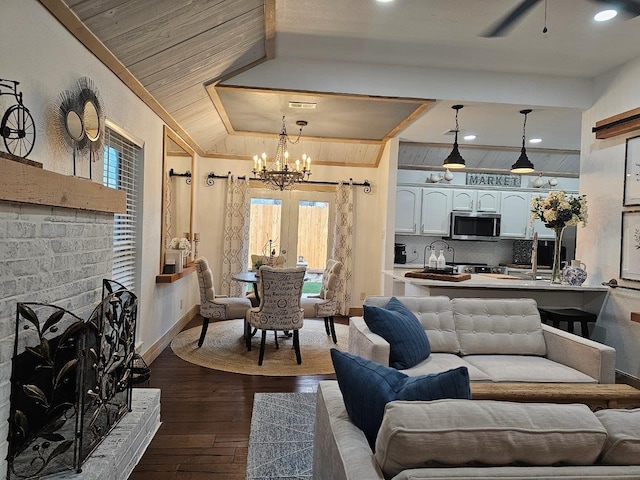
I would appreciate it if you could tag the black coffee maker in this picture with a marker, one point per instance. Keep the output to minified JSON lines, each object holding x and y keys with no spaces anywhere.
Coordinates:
{"x":400,"y":255}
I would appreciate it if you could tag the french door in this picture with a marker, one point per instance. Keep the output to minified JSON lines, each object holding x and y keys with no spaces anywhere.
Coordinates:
{"x":295,"y":224}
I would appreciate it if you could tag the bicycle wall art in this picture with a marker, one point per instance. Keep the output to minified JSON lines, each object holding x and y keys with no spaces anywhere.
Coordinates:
{"x":17,"y":128}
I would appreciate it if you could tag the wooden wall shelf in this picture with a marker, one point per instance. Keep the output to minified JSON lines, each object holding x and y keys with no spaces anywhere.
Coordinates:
{"x":618,"y":124}
{"x":28,"y":184}
{"x":174,"y":277}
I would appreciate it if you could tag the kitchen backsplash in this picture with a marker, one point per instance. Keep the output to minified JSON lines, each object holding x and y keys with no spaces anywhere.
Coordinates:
{"x":491,"y":253}
{"x":469,"y":251}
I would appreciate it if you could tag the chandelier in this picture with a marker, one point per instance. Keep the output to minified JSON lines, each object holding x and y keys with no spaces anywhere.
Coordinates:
{"x":279,"y":173}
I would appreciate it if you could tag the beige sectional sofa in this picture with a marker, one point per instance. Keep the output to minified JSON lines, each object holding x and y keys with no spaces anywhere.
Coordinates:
{"x":475,"y":439}
{"x":498,"y":340}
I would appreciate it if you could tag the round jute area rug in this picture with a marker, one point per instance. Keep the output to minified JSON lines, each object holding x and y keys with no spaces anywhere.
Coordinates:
{"x":224,"y":349}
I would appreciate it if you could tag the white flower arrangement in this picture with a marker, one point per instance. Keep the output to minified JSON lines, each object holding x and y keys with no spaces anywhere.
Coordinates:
{"x":559,"y":211}
{"x":181,"y":244}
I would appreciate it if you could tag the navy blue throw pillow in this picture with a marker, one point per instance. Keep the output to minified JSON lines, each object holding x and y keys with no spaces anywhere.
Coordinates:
{"x":367,"y":387}
{"x":405,"y":334}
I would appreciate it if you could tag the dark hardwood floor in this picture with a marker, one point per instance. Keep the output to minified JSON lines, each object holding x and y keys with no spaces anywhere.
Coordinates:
{"x":206,"y":415}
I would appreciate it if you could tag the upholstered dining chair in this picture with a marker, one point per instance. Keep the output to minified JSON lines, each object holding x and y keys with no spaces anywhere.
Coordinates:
{"x":280,"y":291}
{"x":216,"y":306}
{"x":276,"y":262}
{"x":325,"y":304}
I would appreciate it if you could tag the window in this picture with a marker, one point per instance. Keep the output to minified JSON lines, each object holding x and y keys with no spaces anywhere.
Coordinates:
{"x":122,"y":158}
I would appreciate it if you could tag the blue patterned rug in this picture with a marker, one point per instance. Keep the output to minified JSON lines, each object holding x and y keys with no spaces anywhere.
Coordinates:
{"x":281,"y":438}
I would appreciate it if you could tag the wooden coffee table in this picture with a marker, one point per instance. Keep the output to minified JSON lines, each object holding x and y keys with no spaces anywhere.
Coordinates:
{"x":595,"y":395}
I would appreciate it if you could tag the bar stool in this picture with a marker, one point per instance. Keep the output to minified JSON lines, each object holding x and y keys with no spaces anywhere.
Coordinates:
{"x":569,"y":315}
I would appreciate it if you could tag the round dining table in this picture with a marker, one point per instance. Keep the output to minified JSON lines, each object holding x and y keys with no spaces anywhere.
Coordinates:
{"x":248,"y":277}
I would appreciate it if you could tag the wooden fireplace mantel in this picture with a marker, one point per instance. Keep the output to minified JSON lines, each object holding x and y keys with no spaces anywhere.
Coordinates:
{"x":28,"y":184}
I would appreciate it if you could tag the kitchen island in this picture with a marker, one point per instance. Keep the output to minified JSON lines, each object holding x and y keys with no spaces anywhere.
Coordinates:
{"x":586,"y":297}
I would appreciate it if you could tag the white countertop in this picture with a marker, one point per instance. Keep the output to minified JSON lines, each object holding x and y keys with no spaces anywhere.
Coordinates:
{"x":415,"y":266}
{"x":481,"y":281}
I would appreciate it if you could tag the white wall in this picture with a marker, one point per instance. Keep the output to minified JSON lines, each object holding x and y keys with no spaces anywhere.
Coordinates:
{"x":416,"y":82}
{"x":40,"y":53}
{"x":598,"y":245}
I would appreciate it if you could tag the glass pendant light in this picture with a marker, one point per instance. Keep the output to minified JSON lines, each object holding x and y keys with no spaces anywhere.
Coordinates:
{"x":523,"y":165}
{"x":455,"y":160}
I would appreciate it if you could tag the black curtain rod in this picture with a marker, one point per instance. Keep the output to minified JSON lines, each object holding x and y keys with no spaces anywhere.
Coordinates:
{"x":615,"y":123}
{"x":366,"y":184}
{"x":176,"y":174}
{"x":186,"y":174}
{"x":613,"y":283}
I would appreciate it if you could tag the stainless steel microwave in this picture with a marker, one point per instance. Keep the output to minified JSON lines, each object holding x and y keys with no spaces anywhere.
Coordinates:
{"x":475,"y":226}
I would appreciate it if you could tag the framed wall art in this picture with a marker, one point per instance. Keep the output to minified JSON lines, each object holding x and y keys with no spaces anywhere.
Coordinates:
{"x":630,"y":257}
{"x":632,"y":173}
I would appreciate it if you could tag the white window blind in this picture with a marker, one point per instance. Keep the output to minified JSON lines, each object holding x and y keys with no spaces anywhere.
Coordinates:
{"x":121,"y":160}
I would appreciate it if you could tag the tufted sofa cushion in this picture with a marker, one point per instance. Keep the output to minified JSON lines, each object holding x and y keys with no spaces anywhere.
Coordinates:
{"x":498,"y":326}
{"x":435,"y":315}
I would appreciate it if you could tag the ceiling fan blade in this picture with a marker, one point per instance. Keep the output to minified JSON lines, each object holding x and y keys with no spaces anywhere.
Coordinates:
{"x":502,"y":27}
{"x":631,"y":7}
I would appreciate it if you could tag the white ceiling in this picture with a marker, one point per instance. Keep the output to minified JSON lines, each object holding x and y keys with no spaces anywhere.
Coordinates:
{"x":445,"y":33}
{"x":497,"y":124}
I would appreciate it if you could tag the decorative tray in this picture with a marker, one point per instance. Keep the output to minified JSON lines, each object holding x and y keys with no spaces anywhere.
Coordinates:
{"x":447,"y":269}
{"x":448,"y":277}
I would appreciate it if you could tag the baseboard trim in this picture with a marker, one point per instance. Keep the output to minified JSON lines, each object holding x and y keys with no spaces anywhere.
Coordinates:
{"x":622,"y":377}
{"x":157,"y":348}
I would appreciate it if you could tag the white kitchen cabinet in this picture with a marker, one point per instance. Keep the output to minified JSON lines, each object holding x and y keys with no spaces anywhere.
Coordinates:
{"x":476,"y":201}
{"x":408,"y":201}
{"x":515,"y":214}
{"x":436,"y":211}
{"x":544,"y":233}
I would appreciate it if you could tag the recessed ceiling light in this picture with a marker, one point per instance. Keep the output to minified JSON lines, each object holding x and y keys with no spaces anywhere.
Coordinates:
{"x":535,"y":140}
{"x":385,"y":1}
{"x":469,"y":137}
{"x":605,"y":15}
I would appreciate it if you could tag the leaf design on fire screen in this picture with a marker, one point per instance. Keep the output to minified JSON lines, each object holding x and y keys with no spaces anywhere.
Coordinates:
{"x":64,"y":371}
{"x":29,"y":315}
{"x":34,"y":392}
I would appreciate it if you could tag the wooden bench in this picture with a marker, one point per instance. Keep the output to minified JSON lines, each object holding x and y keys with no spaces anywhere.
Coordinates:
{"x":595,"y":395}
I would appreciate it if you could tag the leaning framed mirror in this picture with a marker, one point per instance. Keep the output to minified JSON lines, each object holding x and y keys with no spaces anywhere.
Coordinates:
{"x":177,"y":196}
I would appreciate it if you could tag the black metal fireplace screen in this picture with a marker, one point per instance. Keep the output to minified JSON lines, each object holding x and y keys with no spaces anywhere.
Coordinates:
{"x":70,"y":381}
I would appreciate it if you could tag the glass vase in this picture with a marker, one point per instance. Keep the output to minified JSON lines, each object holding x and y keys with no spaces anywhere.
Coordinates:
{"x":556,"y":271}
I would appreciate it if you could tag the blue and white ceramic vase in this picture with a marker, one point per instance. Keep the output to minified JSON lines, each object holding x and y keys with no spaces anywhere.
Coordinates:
{"x":574,"y":274}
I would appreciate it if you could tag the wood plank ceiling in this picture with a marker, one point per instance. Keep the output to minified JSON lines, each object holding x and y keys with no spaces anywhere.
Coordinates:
{"x":488,"y":158}
{"x":174,"y":48}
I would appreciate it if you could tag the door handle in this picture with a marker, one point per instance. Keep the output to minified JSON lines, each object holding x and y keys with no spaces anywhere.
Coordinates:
{"x":471,"y":205}
{"x":479,"y":204}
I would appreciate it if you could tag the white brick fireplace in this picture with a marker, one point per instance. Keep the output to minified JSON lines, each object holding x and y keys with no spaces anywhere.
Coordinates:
{"x":49,"y":255}
{"x":56,"y":247}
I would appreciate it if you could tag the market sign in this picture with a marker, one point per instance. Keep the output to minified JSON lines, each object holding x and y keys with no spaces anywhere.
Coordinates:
{"x":493,"y":180}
